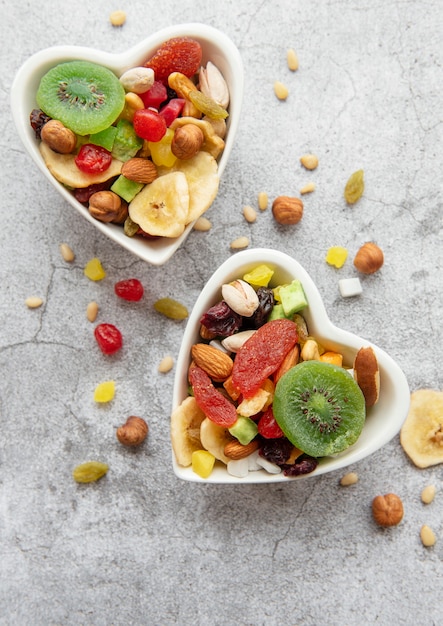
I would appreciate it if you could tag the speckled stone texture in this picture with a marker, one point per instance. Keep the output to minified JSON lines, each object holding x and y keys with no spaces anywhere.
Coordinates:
{"x":140,"y":547}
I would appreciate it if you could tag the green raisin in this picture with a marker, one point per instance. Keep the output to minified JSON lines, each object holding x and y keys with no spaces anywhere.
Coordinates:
{"x":354,"y":187}
{"x":130,"y":228}
{"x":89,"y":472}
{"x":207,"y":105}
{"x":171,"y":308}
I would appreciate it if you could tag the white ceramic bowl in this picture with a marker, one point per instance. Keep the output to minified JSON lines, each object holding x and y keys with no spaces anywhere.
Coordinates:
{"x":383,"y":420}
{"x":216,"y":46}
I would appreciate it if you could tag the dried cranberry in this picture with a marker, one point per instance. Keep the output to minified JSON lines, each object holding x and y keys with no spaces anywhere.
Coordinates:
{"x":108,"y":337}
{"x":37,"y":120}
{"x":265,"y":305}
{"x":303,"y":465}
{"x":130,"y":289}
{"x":276,"y":450}
{"x":84,"y":193}
{"x":221,"y":320}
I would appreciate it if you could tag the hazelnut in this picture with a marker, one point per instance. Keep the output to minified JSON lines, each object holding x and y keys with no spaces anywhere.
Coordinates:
{"x":387,"y":510}
{"x":187,"y":141}
{"x":133,"y":432}
{"x":59,"y":138}
{"x":369,"y":258}
{"x":287,"y":210}
{"x":107,"y":206}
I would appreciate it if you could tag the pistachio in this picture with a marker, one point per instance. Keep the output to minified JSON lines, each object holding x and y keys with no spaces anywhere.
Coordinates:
{"x":137,"y":79}
{"x":233,"y":343}
{"x":241,"y":297}
{"x":213,"y":85}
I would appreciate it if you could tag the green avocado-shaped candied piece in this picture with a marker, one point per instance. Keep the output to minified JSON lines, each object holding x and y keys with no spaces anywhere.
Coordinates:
{"x":319,"y":407}
{"x":84,"y":96}
{"x":293,"y":298}
{"x":126,"y":142}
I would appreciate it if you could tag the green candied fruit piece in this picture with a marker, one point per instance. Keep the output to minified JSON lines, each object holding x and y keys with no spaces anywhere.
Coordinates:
{"x":105,"y":138}
{"x":292,"y":298}
{"x":125,"y":188}
{"x":89,"y":472}
{"x":244,"y":430}
{"x":276,"y":313}
{"x":126,"y":143}
{"x":207,"y":105}
{"x":171,"y":308}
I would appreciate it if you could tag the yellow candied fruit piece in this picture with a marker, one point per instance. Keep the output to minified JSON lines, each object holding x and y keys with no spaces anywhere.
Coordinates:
{"x":161,"y":152}
{"x":94,"y":269}
{"x":104,"y":392}
{"x":332,"y":357}
{"x":202,"y":463}
{"x":336,"y":256}
{"x":259,"y":276}
{"x":276,"y":291}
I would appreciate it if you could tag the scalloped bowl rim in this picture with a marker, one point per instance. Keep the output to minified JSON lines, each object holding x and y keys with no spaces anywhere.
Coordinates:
{"x":384,"y":420}
{"x":217,"y":47}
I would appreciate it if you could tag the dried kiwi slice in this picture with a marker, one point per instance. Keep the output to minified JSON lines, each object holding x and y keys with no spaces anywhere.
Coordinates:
{"x":84,"y":96}
{"x":319,"y":407}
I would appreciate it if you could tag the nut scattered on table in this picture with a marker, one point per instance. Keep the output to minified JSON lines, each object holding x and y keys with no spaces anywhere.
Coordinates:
{"x":309,"y":161}
{"x":239,"y":243}
{"x":428,"y":494}
{"x":369,"y":258}
{"x":202,"y":224}
{"x":308,"y":188}
{"x":249,"y":214}
{"x":387,"y":510}
{"x":33,"y":302}
{"x":92,"y":311}
{"x":67,"y":253}
{"x":351,"y":478}
{"x":292,"y":59}
{"x":287,"y":210}
{"x":117,"y":18}
{"x":427,"y":536}
{"x":280,"y":90}
{"x":133,"y":432}
{"x":166,"y":364}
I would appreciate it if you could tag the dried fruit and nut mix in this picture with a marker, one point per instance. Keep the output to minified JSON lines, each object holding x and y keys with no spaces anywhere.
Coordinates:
{"x":141,"y":149}
{"x":263,"y":393}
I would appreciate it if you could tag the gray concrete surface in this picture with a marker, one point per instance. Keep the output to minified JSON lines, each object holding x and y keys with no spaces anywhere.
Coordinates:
{"x":141,"y":547}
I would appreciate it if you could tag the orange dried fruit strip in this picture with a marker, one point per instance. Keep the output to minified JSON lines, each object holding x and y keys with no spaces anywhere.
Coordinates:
{"x":213,"y":403}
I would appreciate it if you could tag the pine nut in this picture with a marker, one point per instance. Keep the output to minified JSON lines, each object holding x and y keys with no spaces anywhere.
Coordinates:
{"x":166,"y":364}
{"x":263,"y":200}
{"x":67,"y":253}
{"x":92,"y":311}
{"x":428,"y":494}
{"x":309,"y":161}
{"x":239,"y":243}
{"x":202,"y":224}
{"x":117,"y":18}
{"x":249,"y":214}
{"x":427,"y":536}
{"x":280,"y":90}
{"x":33,"y":302}
{"x":308,"y":188}
{"x":349,"y":479}
{"x":292,"y":59}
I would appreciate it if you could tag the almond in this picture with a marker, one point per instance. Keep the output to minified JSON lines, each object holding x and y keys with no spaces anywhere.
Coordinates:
{"x":236,"y":450}
{"x":139,"y":170}
{"x":217,"y":364}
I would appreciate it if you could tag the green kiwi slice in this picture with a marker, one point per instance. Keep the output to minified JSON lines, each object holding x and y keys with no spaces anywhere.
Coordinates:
{"x":84,"y":96}
{"x":319,"y":407}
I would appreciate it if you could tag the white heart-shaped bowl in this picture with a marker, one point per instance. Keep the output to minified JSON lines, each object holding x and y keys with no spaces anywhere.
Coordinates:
{"x":216,"y":47}
{"x":383,"y":420}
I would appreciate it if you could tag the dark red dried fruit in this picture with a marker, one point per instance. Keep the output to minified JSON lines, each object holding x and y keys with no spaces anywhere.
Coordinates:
{"x":213,"y":403}
{"x":276,"y":451}
{"x":179,"y":54}
{"x":261,"y":313}
{"x":84,"y":193}
{"x":108,"y":337}
{"x":130,"y":289}
{"x":303,"y":465}
{"x":262,"y":355}
{"x":221,"y":320}
{"x":37,"y":120}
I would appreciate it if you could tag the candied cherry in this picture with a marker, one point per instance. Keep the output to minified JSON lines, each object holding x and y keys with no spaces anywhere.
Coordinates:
{"x":93,"y":159}
{"x":149,"y":125}
{"x":108,"y":337}
{"x":268,"y":427}
{"x":130,"y":289}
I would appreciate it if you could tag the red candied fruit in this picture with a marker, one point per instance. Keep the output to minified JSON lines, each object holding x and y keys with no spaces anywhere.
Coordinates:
{"x":214,"y":404}
{"x":130,"y":289}
{"x":179,"y":54}
{"x":268,"y":427}
{"x":149,"y":125}
{"x":155,"y":96}
{"x":109,"y":338}
{"x":93,"y":159}
{"x":172,"y":110}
